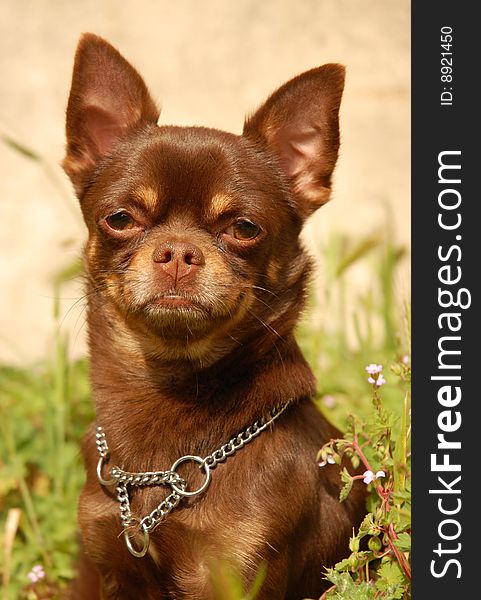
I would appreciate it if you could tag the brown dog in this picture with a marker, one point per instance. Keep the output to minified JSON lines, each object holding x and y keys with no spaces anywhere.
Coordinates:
{"x":195,"y":281}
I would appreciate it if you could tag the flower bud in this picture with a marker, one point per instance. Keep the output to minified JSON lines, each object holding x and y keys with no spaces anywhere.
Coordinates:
{"x":374,"y":544}
{"x":354,"y":544}
{"x":354,"y":562}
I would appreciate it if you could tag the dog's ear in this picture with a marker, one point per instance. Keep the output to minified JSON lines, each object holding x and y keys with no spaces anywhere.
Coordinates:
{"x":299,"y":123}
{"x":107,"y":99}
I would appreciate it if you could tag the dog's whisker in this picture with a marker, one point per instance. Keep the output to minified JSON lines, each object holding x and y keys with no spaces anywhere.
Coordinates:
{"x":266,"y":325}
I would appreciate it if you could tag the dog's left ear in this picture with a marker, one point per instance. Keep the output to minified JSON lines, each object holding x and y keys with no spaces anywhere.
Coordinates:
{"x":299,"y":123}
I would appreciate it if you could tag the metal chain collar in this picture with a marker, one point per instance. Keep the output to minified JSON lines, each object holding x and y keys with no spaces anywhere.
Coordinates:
{"x":122,"y":479}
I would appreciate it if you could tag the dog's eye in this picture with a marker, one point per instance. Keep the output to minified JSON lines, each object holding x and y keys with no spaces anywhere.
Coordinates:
{"x":120,"y":221}
{"x":244,"y":230}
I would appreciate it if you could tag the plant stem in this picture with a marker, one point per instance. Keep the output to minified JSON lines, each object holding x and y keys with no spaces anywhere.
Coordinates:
{"x":403,"y":563}
{"x":324,"y":595}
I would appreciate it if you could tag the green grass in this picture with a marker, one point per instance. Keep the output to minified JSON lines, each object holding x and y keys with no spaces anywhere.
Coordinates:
{"x":45,"y":408}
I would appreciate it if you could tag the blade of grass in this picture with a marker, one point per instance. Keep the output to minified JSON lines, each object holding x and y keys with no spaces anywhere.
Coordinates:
{"x":358,"y":252}
{"x":25,"y":494}
{"x":402,"y":446}
{"x":30,"y":154}
{"x":60,"y":372}
{"x":11,"y":527}
{"x":257,"y":584}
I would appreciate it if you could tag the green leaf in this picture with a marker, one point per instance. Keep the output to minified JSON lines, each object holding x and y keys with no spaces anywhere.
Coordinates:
{"x":368,"y":527}
{"x":343,"y":565}
{"x":401,"y":519}
{"x":348,"y":481}
{"x":391,"y":580}
{"x":355,"y":460}
{"x":347,"y":589}
{"x":403,"y":543}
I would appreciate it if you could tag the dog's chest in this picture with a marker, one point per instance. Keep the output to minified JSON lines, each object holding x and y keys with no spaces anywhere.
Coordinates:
{"x":227,"y":524}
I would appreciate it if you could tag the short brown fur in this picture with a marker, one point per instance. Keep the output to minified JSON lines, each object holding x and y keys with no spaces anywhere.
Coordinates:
{"x":195,"y":281}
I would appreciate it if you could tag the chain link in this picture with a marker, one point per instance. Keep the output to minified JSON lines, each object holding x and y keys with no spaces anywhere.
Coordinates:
{"x":150,"y":522}
{"x":242,"y":438}
{"x":148,"y":478}
{"x":101,"y":442}
{"x":122,"y":479}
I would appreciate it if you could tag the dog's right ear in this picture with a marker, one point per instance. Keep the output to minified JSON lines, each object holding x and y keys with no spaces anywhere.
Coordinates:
{"x":108,"y":98}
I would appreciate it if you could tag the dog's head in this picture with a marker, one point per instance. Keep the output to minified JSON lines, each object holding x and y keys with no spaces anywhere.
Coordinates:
{"x":194,"y":232}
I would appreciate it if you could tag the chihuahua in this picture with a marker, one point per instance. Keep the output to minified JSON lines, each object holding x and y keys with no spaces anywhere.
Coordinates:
{"x":202,"y":460}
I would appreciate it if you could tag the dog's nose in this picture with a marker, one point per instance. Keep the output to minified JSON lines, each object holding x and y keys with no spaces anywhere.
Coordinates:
{"x":178,"y":259}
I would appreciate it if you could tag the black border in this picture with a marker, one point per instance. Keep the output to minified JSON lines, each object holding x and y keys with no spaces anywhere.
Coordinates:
{"x":436,"y":128}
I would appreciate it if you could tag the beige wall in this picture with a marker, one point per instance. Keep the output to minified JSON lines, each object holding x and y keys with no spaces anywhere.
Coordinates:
{"x":207,"y":62}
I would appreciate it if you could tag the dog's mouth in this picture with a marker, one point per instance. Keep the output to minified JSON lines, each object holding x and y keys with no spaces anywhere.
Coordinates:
{"x":175,"y":312}
{"x":174,"y":302}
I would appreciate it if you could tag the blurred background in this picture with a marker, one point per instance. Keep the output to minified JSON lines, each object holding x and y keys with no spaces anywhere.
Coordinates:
{"x":206,"y":63}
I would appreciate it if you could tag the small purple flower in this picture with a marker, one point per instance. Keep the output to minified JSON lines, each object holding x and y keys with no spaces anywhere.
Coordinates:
{"x":373,"y":369}
{"x":375,"y":375}
{"x":329,"y":401}
{"x":36,"y":574}
{"x":368,"y":476}
{"x":329,"y":460}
